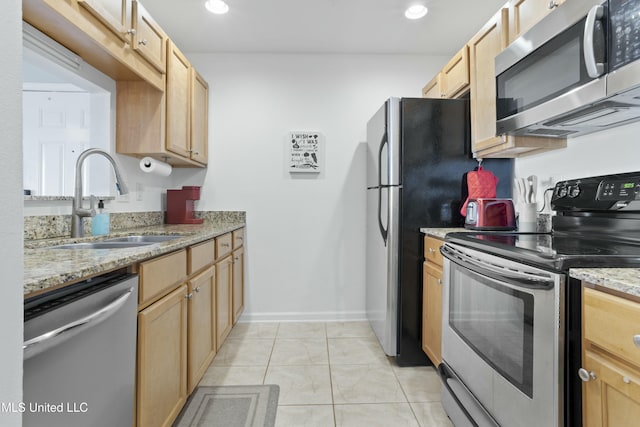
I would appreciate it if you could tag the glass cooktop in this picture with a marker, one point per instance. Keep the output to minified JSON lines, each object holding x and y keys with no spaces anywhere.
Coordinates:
{"x":559,"y":251}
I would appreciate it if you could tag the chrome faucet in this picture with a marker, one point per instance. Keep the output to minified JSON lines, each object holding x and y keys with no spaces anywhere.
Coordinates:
{"x":78,"y":211}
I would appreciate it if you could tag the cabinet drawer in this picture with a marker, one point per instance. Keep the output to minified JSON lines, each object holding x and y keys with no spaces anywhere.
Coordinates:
{"x":432,"y":250}
{"x":201,"y":255}
{"x":160,"y":274}
{"x":238,"y":238}
{"x":223,"y":245}
{"x":612,"y":322}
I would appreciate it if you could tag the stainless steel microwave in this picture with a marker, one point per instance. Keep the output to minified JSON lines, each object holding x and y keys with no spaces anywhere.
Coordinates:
{"x":577,"y":71}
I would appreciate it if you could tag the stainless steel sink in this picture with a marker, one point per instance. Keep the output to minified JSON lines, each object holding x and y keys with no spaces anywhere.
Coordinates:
{"x":144,"y":239}
{"x":101,"y":245}
{"x":119,"y":242}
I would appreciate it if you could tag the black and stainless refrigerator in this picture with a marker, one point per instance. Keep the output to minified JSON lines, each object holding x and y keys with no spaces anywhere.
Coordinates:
{"x":417,"y":153}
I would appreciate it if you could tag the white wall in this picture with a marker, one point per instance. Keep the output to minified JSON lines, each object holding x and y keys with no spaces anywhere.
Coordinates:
{"x":612,"y":151}
{"x":305,"y":237}
{"x":11,"y":259}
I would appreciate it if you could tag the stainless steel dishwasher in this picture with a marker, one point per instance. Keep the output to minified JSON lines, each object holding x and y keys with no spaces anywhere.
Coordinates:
{"x":79,"y":354}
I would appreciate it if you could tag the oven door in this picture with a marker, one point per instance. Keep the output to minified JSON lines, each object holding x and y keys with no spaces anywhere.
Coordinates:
{"x":502,"y":339}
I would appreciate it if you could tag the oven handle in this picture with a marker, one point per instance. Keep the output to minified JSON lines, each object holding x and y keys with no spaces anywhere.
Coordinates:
{"x":518,"y":278}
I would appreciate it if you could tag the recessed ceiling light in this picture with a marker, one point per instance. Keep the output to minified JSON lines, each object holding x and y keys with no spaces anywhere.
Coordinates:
{"x":416,"y":11}
{"x":218,"y":7}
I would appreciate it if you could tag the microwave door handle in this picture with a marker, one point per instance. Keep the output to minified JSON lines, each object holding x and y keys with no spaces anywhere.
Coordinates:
{"x":517,"y":278}
{"x":594,"y":69}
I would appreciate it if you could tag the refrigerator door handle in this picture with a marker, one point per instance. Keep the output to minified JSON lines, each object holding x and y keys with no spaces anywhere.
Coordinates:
{"x":383,"y":231}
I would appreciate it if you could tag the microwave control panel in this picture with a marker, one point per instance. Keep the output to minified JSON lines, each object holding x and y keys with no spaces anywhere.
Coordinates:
{"x":625,"y":32}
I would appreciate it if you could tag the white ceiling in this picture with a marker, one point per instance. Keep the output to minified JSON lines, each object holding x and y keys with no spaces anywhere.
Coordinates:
{"x":322,"y":26}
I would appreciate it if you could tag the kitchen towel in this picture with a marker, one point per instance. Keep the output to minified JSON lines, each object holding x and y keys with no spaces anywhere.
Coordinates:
{"x":151,"y":165}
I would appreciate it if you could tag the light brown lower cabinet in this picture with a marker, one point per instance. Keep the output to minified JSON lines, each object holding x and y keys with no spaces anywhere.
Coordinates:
{"x":610,"y":360}
{"x":224,"y":308}
{"x":201,"y":335}
{"x":238,"y":283}
{"x":162,"y":360}
{"x":432,"y":300}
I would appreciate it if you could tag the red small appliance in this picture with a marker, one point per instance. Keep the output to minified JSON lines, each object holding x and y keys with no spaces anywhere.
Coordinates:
{"x":490,"y":214}
{"x":180,"y":205}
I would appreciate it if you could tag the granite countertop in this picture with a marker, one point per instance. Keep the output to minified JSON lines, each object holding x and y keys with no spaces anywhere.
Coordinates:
{"x":626,"y":280}
{"x":46,"y":268}
{"x":440,"y":233}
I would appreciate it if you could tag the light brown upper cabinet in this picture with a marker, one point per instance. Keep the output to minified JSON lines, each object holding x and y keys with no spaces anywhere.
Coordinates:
{"x":170,"y":126}
{"x":148,"y":39}
{"x":178,"y":107}
{"x":524,"y":14}
{"x":483,"y":48}
{"x":199,"y":117}
{"x":100,"y":32}
{"x":453,"y":80}
{"x":434,"y":88}
{"x":114,"y":14}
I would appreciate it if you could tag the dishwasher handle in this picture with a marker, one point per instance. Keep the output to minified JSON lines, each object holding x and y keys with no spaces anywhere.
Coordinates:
{"x":57,"y":336}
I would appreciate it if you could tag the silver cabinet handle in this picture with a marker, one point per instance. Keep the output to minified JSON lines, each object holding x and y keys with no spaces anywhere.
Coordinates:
{"x":553,"y":4}
{"x":189,"y":296}
{"x":143,"y":42}
{"x":132,"y":31}
{"x":636,"y":340}
{"x":197,"y":289}
{"x":585,"y":375}
{"x":57,"y":336}
{"x":439,"y":281}
{"x":626,"y":380}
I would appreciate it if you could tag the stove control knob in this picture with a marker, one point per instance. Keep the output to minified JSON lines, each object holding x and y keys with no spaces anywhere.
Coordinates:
{"x":585,"y":375}
{"x":574,"y":191}
{"x":562,"y":191}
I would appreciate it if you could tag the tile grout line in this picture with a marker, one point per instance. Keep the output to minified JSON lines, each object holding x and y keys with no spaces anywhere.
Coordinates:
{"x":333,"y":402}
{"x":273,"y":346}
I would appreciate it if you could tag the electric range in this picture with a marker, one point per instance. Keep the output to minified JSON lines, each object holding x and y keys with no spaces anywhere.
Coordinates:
{"x":506,"y":294}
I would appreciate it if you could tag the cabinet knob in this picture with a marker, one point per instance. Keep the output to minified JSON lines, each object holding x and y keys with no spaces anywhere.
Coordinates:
{"x":131,"y":31}
{"x":236,"y":258}
{"x":636,"y":340}
{"x":585,"y":375}
{"x":439,"y":281}
{"x":143,"y":42}
{"x":626,"y":380}
{"x":431,"y":250}
{"x":553,"y":4}
{"x":188,"y":296}
{"x":197,"y":289}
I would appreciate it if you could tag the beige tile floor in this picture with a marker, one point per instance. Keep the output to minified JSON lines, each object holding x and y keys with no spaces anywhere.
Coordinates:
{"x":330,"y":375}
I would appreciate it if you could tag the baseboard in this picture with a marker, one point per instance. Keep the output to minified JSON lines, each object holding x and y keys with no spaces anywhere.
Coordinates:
{"x":320,"y":316}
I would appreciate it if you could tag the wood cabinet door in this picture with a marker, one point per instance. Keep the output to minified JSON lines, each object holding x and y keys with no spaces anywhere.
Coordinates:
{"x":456,"y":74}
{"x":238,"y":283}
{"x":524,"y":14}
{"x":162,"y":360}
{"x":148,"y":38}
{"x":178,"y":102}
{"x":224,"y":308}
{"x":201,"y":325}
{"x":483,"y":48}
{"x":433,"y":89}
{"x":114,"y":14}
{"x":199,"y":118}
{"x":612,"y":398}
{"x":432,"y":312}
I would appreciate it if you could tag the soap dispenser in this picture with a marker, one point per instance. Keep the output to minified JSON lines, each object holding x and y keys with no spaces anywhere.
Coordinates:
{"x":100,"y":222}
